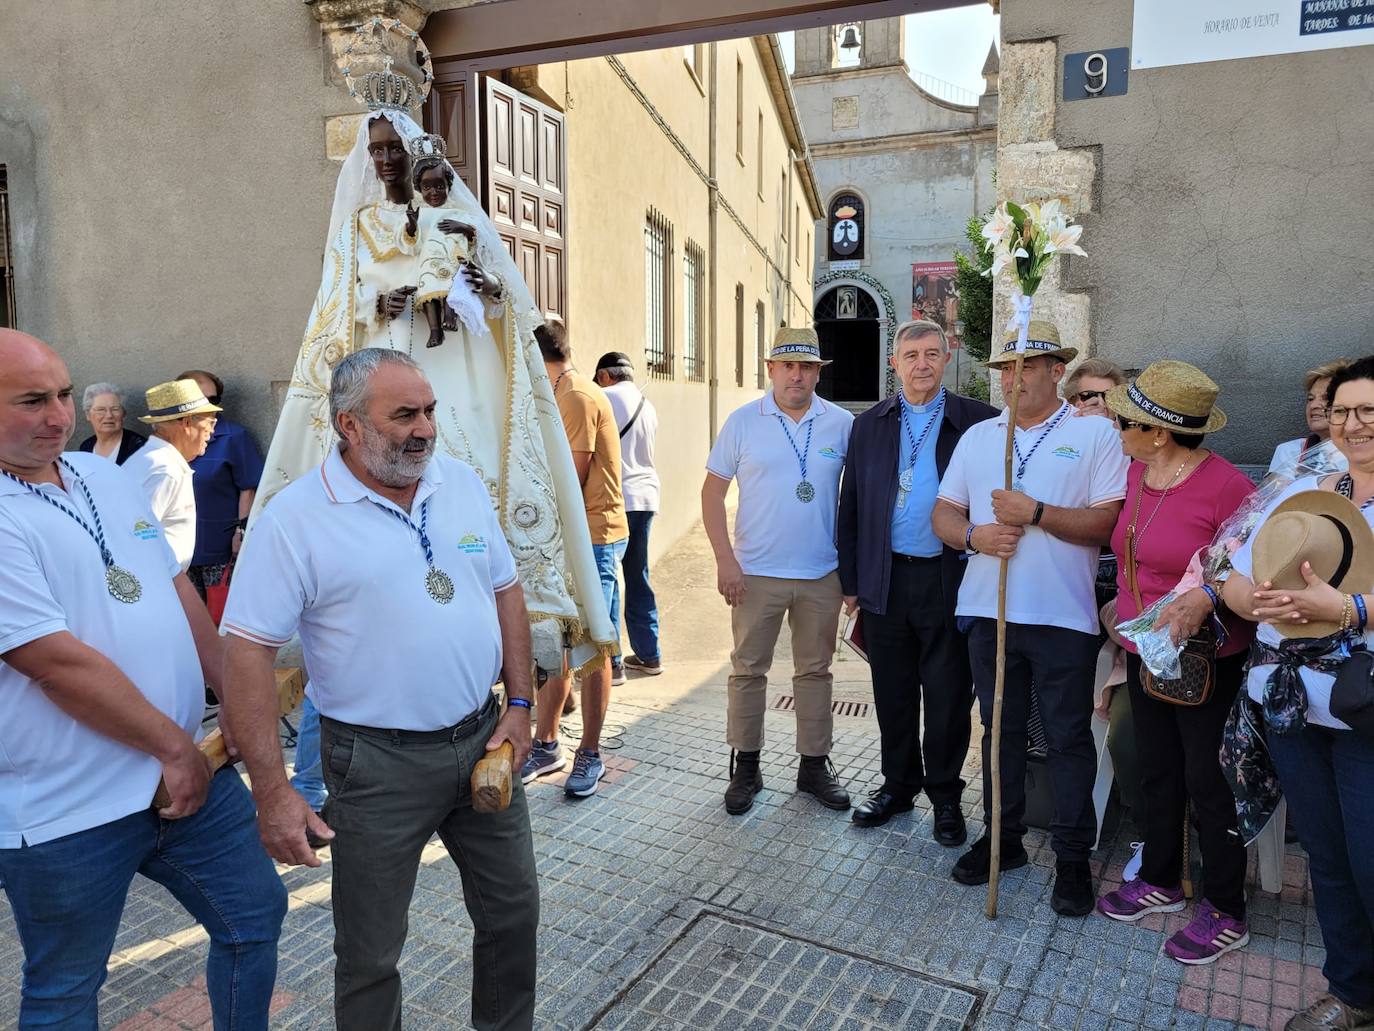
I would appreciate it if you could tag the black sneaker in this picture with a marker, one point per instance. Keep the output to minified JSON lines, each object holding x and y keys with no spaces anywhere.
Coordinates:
{"x":974,"y":865}
{"x":1073,"y":888}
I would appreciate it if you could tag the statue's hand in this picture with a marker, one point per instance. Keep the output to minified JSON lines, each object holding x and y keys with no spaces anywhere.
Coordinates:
{"x":393,"y":302}
{"x":453,"y":227}
{"x":412,"y":220}
{"x":481,"y":281}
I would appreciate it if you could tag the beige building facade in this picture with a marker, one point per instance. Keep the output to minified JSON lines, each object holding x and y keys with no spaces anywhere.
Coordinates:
{"x":167,"y":190}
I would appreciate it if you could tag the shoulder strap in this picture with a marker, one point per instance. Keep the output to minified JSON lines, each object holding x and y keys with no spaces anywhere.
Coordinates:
{"x":1130,"y":547}
{"x":639,"y":408}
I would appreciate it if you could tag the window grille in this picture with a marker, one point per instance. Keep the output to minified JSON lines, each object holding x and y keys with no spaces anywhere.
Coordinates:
{"x":8,"y":318}
{"x":694,"y":311}
{"x":760,"y":343}
{"x":658,"y":296}
{"x":739,"y":334}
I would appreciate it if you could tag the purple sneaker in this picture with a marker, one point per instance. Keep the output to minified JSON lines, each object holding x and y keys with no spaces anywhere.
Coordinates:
{"x":1209,"y":935}
{"x":1138,"y":898}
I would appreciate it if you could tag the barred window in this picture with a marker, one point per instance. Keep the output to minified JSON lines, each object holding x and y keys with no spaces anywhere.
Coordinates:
{"x":760,"y":328}
{"x":739,"y":334}
{"x":694,"y":311}
{"x":8,"y":317}
{"x":658,"y":296}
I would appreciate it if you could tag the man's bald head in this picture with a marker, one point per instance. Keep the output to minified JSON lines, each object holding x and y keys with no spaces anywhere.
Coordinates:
{"x":36,"y":408}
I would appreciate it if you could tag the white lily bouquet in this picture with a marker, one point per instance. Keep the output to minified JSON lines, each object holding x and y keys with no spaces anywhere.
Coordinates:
{"x":1024,"y":240}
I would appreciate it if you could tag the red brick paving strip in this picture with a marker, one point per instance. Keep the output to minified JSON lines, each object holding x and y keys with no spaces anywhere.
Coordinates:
{"x":187,"y":1009}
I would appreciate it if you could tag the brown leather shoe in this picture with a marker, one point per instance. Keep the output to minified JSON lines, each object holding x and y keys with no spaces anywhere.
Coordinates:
{"x":1330,"y":1014}
{"x":745,"y":782}
{"x":816,"y":775}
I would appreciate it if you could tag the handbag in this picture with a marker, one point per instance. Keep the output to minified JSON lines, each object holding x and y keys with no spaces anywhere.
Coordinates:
{"x":216,"y":595}
{"x":1197,"y":661}
{"x":1352,"y":695}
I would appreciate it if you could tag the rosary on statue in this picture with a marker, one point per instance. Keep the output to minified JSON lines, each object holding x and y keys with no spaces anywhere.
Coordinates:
{"x":806,"y":493}
{"x":438,"y":583}
{"x":122,"y":584}
{"x":907,"y":479}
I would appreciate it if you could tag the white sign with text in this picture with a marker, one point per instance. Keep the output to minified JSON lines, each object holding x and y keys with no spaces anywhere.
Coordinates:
{"x":1170,"y":32}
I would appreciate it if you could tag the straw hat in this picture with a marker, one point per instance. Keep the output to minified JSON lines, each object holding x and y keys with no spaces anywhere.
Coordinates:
{"x":176,"y":400}
{"x":796,"y":344}
{"x":1325,"y":529}
{"x":1171,"y":395}
{"x":1041,"y":339}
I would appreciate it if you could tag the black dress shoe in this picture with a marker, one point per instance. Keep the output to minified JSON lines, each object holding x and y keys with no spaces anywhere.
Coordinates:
{"x":949,"y":824}
{"x":745,"y":782}
{"x":816,"y":775}
{"x":974,"y":866}
{"x":881,"y":806}
{"x":1073,"y":888}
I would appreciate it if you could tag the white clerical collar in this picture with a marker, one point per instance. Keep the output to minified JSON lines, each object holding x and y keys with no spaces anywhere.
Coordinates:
{"x":343,"y":488}
{"x":921,"y":409}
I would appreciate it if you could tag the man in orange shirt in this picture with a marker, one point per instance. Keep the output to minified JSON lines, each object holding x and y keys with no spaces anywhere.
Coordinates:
{"x":595,"y":441}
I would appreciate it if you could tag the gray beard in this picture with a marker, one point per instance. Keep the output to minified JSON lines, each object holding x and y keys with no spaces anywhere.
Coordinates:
{"x":391,"y":464}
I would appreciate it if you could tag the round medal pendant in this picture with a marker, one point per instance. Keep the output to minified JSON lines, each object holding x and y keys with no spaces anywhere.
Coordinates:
{"x":122,"y":585}
{"x":904,"y":481}
{"x":439,"y":585}
{"x":806,"y":493}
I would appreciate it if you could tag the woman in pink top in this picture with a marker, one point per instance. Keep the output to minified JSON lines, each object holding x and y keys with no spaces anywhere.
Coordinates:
{"x":1177,"y":496}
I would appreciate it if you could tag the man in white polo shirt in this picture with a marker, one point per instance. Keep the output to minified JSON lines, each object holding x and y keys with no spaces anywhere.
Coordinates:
{"x":104,"y":650}
{"x":786,"y":451}
{"x":183,"y":422}
{"x":390,"y":563}
{"x":1069,"y":478}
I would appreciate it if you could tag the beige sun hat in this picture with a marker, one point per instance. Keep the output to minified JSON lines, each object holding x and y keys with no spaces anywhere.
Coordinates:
{"x":176,"y":400}
{"x":796,"y":344}
{"x":1041,"y":339}
{"x":1325,"y":529}
{"x":1172,"y":396}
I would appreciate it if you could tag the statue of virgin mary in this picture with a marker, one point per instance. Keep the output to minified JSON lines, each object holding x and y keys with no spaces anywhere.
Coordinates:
{"x":495,"y":406}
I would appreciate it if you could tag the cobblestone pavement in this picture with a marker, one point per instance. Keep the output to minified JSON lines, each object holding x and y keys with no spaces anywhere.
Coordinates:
{"x":660,"y":911}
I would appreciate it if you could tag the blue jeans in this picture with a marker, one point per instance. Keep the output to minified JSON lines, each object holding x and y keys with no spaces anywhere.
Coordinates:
{"x":608,"y":558}
{"x":1326,"y":776}
{"x":641,"y":607}
{"x":68,"y":896}
{"x":308,"y":778}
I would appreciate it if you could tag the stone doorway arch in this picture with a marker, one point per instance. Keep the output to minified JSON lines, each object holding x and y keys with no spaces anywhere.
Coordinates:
{"x":884,"y":322}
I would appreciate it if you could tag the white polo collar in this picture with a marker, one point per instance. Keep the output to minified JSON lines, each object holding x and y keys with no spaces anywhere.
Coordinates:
{"x":174,"y":456}
{"x":343,"y":488}
{"x":768,"y":405}
{"x":1004,"y":414}
{"x":9,"y":487}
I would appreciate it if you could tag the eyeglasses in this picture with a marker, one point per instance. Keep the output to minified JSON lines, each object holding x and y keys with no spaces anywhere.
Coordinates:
{"x":1126,"y":424}
{"x":112,"y":410}
{"x":1338,"y":414}
{"x":1084,"y":396}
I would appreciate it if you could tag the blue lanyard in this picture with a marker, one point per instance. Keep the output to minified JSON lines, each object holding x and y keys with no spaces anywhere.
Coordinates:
{"x":918,"y":442}
{"x":800,"y":452}
{"x":420,"y":531}
{"x":1023,"y":462}
{"x":97,"y":534}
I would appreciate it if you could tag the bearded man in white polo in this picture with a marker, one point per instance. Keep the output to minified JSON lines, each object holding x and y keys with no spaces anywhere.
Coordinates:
{"x":390,"y":563}
{"x":104,"y":650}
{"x":1068,"y":482}
{"x":785,"y":451}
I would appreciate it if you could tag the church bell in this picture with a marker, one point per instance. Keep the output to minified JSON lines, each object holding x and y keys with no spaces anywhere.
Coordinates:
{"x":850,"y":39}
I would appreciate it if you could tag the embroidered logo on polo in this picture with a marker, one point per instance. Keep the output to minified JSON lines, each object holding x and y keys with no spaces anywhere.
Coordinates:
{"x":1064,"y":451}
{"x":472,"y":544}
{"x":145,"y":531}
{"x":830,"y":452}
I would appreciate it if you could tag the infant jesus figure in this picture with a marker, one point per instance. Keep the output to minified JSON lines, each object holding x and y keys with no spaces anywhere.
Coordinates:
{"x":451,"y":285}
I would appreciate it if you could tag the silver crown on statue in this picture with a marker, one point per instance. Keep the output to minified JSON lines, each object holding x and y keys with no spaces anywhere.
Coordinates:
{"x":428,"y":147}
{"x":368,"y":66}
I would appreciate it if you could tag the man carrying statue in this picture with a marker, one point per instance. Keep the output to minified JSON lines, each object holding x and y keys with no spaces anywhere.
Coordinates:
{"x":495,"y":409}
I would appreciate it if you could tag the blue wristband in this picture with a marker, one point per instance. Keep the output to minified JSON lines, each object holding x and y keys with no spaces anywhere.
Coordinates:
{"x":519,"y":703}
{"x":1211,"y":593}
{"x":968,"y":540}
{"x":1362,"y":612}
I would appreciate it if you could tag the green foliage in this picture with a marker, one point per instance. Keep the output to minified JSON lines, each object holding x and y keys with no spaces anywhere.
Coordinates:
{"x":976,"y":385}
{"x":975,"y":292}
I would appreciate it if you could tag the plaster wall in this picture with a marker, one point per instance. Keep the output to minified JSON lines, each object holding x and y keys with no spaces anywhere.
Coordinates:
{"x":169,"y":189}
{"x":1226,"y":223}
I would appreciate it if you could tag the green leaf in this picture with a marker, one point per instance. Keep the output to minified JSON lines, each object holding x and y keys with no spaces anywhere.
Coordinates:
{"x":1017,"y":212}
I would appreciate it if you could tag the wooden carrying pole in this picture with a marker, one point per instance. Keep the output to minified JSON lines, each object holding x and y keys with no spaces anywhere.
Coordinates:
{"x":999,"y":682}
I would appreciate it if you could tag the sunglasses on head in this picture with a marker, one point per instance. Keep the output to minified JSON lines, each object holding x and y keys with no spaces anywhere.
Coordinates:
{"x":1084,"y":396}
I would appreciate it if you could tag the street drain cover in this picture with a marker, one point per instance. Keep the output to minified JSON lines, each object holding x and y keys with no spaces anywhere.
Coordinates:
{"x":723,"y":972}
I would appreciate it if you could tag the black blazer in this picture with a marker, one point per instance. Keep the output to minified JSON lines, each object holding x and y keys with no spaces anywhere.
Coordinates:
{"x":869,"y":491}
{"x":128,"y":444}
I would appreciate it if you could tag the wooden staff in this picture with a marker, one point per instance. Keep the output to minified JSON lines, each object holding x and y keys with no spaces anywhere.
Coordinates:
{"x":999,"y":683}
{"x":290,"y":691}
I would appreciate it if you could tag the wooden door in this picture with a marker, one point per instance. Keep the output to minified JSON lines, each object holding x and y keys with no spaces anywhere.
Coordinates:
{"x":452,"y":112}
{"x":525,"y":160}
